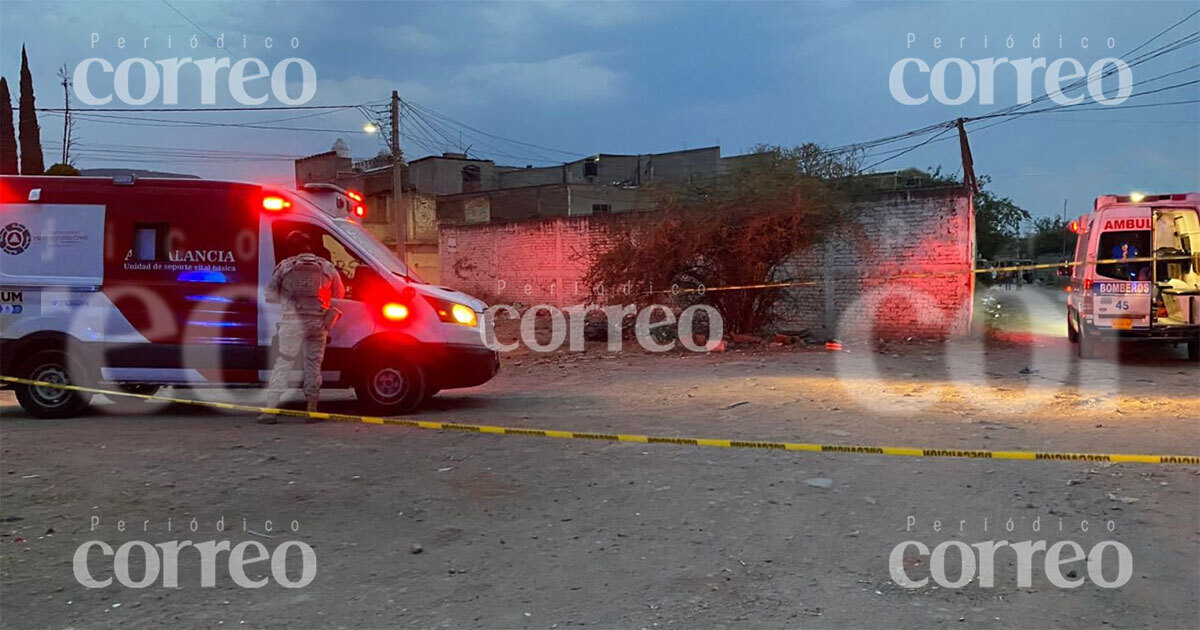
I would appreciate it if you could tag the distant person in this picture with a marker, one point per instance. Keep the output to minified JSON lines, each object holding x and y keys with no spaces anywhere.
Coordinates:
{"x":305,"y":284}
{"x":1130,"y":270}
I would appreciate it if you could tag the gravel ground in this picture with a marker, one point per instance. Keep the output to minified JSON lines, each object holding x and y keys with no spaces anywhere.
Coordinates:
{"x":423,"y":528}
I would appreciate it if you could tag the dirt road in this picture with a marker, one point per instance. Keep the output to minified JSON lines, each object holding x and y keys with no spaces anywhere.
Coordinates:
{"x":528,"y":532}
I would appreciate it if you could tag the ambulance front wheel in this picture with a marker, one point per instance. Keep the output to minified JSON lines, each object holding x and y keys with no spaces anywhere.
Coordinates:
{"x":391,"y":386}
{"x":46,"y":401}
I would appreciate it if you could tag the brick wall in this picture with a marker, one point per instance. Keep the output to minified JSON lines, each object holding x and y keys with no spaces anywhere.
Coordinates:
{"x":864,"y":280}
{"x":855,"y":291}
{"x":526,"y":262}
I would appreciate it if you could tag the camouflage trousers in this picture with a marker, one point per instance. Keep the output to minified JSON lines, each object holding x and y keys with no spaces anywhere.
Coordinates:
{"x":300,"y":339}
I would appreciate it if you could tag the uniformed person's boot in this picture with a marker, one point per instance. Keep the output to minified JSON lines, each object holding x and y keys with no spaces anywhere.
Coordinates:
{"x":312,"y":406}
{"x":270,"y":418}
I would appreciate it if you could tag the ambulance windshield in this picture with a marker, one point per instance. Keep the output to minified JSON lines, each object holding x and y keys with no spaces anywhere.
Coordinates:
{"x":367,"y":244}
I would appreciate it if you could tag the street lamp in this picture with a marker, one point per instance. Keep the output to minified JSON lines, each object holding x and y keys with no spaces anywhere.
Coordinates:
{"x":371,"y":128}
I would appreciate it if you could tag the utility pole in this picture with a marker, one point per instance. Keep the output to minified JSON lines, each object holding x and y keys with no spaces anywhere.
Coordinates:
{"x":1065,"y":227}
{"x":401,"y":216}
{"x":66,"y":141}
{"x":968,"y":163}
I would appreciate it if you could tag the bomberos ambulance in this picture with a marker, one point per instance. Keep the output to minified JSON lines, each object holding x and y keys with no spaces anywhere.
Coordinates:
{"x":1136,"y":273}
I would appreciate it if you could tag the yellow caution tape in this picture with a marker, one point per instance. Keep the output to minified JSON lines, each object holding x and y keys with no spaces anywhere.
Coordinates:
{"x":932,"y":274}
{"x":650,"y":439}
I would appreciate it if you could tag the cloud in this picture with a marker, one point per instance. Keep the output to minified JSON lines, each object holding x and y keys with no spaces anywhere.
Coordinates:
{"x":409,"y":38}
{"x":575,"y":77}
{"x":364,"y":89}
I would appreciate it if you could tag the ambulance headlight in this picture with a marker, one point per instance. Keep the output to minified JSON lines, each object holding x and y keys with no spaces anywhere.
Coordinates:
{"x":453,"y":312}
{"x":463,"y":315}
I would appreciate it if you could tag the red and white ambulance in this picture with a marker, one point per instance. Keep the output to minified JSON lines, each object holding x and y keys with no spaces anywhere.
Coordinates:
{"x":1136,"y":273}
{"x":143,"y":283}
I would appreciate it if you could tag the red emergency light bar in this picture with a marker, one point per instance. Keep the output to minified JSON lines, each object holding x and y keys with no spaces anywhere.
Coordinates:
{"x":1145,"y":198}
{"x":353,"y":195}
{"x":1075,"y":226}
{"x":1106,"y":200}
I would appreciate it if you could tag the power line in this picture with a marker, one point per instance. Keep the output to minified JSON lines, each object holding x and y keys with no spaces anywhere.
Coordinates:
{"x":437,"y":133}
{"x":201,"y":29}
{"x":180,"y":151}
{"x":1010,"y":113}
{"x":140,"y":121}
{"x":274,"y":108}
{"x":910,"y":149}
{"x":449,"y":120}
{"x":1083,"y":103}
{"x":1012,"y":110}
{"x":1164,"y":31}
{"x":1170,"y":47}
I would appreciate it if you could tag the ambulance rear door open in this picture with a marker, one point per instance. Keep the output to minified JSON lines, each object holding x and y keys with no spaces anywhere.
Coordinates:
{"x":1122,"y":287}
{"x":1177,"y":272}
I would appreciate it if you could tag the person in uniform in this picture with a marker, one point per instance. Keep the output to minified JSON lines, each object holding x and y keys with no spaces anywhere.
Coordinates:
{"x":305,"y":284}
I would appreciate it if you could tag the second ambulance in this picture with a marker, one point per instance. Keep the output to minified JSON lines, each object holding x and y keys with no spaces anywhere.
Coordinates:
{"x":1136,"y":273}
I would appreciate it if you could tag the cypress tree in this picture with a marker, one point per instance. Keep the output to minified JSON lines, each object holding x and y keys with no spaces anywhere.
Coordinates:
{"x":31,"y":135}
{"x":8,"y":135}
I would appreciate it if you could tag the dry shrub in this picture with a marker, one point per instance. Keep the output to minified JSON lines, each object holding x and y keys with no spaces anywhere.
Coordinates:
{"x":729,"y":231}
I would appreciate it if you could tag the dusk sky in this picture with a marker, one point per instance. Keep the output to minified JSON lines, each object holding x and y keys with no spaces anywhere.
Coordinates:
{"x":601,"y":77}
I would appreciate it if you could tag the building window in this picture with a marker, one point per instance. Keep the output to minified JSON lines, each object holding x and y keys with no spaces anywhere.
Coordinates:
{"x":150,"y":241}
{"x":377,"y":210}
{"x":591,"y":168}
{"x":601,"y":208}
{"x":472,"y":179}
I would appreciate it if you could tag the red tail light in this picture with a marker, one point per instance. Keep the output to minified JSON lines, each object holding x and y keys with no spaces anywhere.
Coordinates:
{"x":395,"y":311}
{"x":360,"y":211}
{"x":353,"y":195}
{"x":275,"y":204}
{"x":1075,"y":226}
{"x":1087,"y":284}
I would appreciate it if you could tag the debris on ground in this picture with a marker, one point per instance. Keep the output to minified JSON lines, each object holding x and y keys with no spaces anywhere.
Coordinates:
{"x":1125,"y":500}
{"x":746,"y":339}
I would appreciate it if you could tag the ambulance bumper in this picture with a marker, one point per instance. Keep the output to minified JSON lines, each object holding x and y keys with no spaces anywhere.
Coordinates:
{"x":450,"y":366}
{"x":1162,"y":333}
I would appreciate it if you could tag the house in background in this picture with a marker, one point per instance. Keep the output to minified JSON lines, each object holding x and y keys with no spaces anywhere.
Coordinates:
{"x":454,"y":188}
{"x":601,"y":184}
{"x":373,"y":179}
